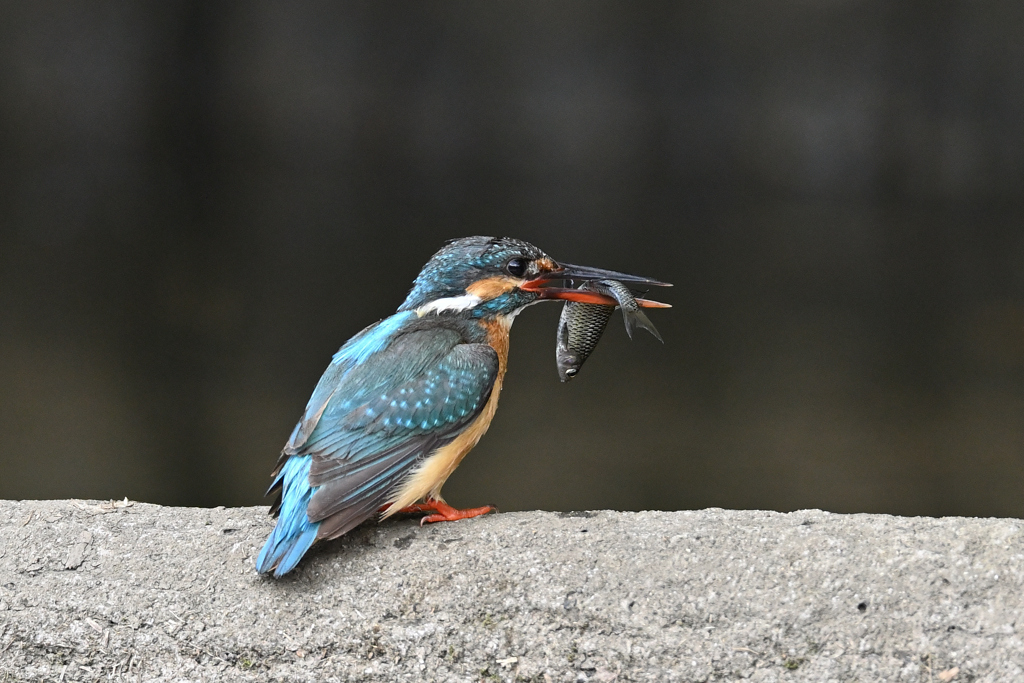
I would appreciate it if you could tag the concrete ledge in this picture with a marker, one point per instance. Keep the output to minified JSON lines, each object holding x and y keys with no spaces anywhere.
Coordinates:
{"x":92,"y":591}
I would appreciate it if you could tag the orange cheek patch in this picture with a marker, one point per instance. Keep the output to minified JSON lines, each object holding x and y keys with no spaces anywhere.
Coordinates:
{"x":491,"y":287}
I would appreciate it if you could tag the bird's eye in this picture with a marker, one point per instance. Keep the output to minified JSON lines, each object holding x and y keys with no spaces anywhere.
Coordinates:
{"x":516,"y":267}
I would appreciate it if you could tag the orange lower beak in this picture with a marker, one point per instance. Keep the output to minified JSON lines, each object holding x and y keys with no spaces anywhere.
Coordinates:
{"x":585,"y":297}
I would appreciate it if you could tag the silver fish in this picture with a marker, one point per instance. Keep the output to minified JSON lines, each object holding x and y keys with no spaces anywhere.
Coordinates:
{"x":581,"y":325}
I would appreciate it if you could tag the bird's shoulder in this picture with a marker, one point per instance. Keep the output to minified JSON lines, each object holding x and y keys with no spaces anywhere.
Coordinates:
{"x":404,"y":351}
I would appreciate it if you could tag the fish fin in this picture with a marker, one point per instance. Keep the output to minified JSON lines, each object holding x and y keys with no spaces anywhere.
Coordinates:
{"x":629,"y":320}
{"x":643,"y":321}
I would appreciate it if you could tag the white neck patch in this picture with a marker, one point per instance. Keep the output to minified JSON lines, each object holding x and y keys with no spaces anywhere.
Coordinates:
{"x":452,"y":303}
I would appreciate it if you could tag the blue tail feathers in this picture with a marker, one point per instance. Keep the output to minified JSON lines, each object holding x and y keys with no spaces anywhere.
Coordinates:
{"x":294,"y":533}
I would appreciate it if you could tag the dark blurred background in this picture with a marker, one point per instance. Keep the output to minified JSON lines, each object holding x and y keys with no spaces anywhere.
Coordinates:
{"x":200,"y":201}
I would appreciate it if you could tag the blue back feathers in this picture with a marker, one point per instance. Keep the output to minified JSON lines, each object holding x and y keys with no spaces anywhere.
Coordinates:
{"x":371,"y":340}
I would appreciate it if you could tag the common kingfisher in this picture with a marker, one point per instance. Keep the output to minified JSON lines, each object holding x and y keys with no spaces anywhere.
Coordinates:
{"x":404,"y":401}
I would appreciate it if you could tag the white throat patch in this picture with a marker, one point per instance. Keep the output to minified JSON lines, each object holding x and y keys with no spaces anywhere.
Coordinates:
{"x":452,"y":303}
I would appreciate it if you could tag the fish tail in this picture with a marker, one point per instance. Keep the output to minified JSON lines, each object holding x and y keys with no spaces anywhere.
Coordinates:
{"x":641,"y":319}
{"x":294,"y":533}
{"x":630,"y":320}
{"x":627,"y":304}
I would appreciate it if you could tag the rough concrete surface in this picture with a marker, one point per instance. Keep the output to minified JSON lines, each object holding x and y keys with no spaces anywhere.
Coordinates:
{"x":128,"y":591}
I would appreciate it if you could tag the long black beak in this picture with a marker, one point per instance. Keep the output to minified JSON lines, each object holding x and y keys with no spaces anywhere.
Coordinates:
{"x":571,"y":273}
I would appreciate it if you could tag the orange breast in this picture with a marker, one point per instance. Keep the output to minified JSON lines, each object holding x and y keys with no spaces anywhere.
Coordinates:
{"x":497,"y":337}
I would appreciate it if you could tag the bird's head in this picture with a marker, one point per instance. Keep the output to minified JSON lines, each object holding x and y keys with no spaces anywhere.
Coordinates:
{"x":487,"y":277}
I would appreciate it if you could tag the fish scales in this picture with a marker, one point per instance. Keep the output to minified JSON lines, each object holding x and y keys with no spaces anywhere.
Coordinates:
{"x":581,"y":326}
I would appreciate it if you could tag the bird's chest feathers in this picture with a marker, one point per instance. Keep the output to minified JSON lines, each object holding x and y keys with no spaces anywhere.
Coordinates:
{"x":427,"y":479}
{"x":497,"y":337}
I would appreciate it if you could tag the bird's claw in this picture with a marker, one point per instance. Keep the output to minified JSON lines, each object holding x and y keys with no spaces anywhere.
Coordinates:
{"x":446,"y":513}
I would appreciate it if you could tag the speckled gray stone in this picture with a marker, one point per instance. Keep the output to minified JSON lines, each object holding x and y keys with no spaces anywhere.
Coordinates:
{"x":92,"y":591}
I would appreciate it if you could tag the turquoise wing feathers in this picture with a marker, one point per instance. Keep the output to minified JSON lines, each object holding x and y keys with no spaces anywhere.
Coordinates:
{"x":389,"y":398}
{"x":356,"y":350}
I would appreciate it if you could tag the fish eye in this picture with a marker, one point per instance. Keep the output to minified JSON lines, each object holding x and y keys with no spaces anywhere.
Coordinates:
{"x":516,"y":267}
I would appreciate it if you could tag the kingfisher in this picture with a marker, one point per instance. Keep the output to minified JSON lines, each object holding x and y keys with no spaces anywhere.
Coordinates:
{"x":403,"y":401}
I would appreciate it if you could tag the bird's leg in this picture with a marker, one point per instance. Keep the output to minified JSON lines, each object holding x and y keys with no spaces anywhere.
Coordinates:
{"x":410,"y":509}
{"x":416,"y":509}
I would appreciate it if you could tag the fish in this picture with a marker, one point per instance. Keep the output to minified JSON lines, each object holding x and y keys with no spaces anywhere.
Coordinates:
{"x":581,"y":325}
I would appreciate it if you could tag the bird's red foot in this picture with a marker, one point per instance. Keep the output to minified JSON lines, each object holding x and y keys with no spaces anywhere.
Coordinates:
{"x":442,"y":512}
{"x":446,"y":513}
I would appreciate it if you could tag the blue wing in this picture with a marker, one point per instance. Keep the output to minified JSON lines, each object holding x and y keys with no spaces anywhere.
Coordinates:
{"x":356,"y":350}
{"x":368,"y":424}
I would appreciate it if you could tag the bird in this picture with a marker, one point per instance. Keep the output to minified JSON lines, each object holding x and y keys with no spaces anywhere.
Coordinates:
{"x":404,"y":400}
